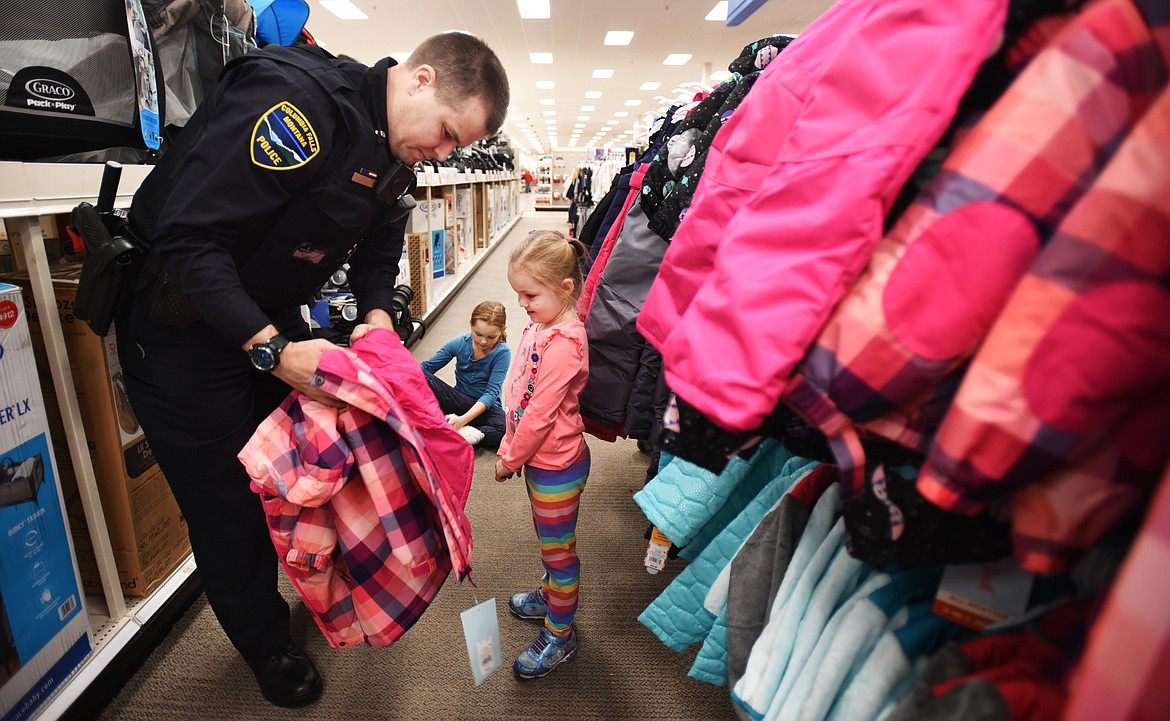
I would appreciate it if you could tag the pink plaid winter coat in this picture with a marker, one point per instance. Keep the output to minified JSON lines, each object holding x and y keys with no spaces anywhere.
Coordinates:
{"x":365,"y":504}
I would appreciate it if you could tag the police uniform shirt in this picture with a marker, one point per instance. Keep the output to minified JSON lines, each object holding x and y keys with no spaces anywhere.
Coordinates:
{"x":274,"y":192}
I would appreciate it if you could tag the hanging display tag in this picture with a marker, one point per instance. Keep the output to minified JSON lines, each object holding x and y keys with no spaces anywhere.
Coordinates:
{"x":481,"y":630}
{"x":979,"y":595}
{"x":656,"y":551}
{"x":142,"y":54}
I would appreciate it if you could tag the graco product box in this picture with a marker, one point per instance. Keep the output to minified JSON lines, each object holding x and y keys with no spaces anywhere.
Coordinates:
{"x":147,"y":531}
{"x":44,"y":630}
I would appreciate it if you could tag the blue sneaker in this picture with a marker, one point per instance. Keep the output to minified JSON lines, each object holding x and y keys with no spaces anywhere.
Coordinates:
{"x":529,"y":605}
{"x":544,"y":654}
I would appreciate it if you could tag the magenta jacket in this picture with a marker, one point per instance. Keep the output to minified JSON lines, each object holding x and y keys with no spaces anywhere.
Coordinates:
{"x":365,"y":504}
{"x":797,"y":185}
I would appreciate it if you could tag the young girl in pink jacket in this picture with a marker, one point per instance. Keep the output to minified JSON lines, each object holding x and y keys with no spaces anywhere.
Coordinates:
{"x":545,"y":436}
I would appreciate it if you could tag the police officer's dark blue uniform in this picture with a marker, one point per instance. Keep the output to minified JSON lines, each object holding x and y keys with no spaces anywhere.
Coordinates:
{"x":265,"y":193}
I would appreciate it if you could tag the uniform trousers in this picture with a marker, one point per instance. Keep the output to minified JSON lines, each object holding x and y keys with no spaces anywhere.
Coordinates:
{"x":199,"y":400}
{"x":555,"y":497}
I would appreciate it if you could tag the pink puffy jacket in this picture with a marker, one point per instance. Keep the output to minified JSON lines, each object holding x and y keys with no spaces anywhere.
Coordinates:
{"x":791,"y":204}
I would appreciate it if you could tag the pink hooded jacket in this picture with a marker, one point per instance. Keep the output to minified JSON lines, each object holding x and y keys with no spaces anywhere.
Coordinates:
{"x":791,"y":204}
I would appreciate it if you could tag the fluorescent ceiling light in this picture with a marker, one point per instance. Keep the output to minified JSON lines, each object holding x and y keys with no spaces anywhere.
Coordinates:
{"x":544,"y":58}
{"x":579,"y":125}
{"x":545,"y":85}
{"x":720,"y":75}
{"x":535,"y":9}
{"x":582,"y":117}
{"x":548,"y":101}
{"x":718,"y":13}
{"x":401,"y":58}
{"x":619,"y":37}
{"x":620,"y":114}
{"x":549,"y":113}
{"x":593,"y":94}
{"x":672,"y":59}
{"x":649,"y":86}
{"x":612,"y":122}
{"x":633,"y":103}
{"x":588,"y":108}
{"x":602,"y":73}
{"x":344,"y":9}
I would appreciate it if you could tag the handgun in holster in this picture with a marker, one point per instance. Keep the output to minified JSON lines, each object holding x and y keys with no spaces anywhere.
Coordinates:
{"x":112,"y":255}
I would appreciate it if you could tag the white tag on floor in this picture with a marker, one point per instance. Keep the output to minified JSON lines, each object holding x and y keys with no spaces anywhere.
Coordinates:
{"x":481,"y":630}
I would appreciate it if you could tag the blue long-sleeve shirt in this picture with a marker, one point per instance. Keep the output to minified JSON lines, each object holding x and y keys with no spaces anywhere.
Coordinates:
{"x":483,"y":378}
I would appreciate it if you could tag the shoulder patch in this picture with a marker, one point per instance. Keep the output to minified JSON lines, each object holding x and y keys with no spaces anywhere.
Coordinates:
{"x":283,"y":138}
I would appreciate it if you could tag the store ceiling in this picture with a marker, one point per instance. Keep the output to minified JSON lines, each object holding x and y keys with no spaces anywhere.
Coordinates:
{"x":574,"y":34}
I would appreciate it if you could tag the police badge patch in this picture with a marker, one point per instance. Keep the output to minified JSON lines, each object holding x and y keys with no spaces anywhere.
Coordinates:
{"x":283,"y":138}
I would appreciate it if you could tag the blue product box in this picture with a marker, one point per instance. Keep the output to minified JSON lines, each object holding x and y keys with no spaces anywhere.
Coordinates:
{"x":44,"y":630}
{"x":438,"y":253}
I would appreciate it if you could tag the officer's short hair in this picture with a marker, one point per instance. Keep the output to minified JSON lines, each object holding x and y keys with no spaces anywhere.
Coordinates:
{"x":465,"y":67}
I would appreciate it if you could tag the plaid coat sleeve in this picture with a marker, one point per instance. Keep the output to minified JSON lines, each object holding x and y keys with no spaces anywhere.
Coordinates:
{"x":886,"y":361}
{"x":1066,"y":405}
{"x":1122,"y":673}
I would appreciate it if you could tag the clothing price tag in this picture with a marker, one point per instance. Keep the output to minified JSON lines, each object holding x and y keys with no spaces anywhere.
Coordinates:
{"x":979,"y":595}
{"x":656,"y":552}
{"x":481,"y":630}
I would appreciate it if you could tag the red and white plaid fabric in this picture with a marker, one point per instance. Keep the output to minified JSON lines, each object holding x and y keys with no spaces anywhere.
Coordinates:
{"x":1066,"y":405}
{"x":365,"y":504}
{"x":1122,"y":674}
{"x":886,"y":362}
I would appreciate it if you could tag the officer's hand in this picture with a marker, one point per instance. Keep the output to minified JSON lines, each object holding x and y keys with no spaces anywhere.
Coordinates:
{"x":376,"y":318}
{"x":298,"y":363}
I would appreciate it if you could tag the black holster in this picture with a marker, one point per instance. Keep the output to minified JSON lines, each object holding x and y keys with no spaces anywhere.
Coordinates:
{"x":112,"y":259}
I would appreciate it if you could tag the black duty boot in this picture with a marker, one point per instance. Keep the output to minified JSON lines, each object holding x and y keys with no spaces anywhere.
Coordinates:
{"x":288,"y":678}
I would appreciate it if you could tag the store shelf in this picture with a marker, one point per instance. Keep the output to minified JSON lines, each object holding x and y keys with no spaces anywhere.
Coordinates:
{"x":33,"y":189}
{"x":447,"y":287}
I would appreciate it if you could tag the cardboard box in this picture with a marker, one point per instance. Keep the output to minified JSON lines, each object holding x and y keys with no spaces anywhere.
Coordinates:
{"x":418,"y":249}
{"x":466,"y":246}
{"x":450,"y":251}
{"x":44,"y":629}
{"x":462,"y":203}
{"x":403,"y":267}
{"x":448,"y":199}
{"x":426,"y":215}
{"x":479,"y":217}
{"x":147,"y":531}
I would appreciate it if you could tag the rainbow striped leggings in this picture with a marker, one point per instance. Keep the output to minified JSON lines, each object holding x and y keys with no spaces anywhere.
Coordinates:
{"x":555,"y":497}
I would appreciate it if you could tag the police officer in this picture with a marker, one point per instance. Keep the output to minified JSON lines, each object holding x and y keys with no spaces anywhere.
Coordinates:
{"x":293,"y":164}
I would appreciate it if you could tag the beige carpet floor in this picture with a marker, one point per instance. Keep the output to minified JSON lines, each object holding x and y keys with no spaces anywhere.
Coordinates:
{"x":622,"y":670}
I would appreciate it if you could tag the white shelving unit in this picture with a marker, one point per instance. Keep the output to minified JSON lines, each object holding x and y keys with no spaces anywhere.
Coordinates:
{"x":490,"y":221}
{"x":31,"y":191}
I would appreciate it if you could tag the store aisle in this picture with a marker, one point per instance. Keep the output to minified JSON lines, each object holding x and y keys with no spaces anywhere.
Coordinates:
{"x":622,"y":671}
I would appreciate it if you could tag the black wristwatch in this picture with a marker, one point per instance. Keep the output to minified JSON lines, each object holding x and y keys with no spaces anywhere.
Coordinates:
{"x":266,"y":356}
